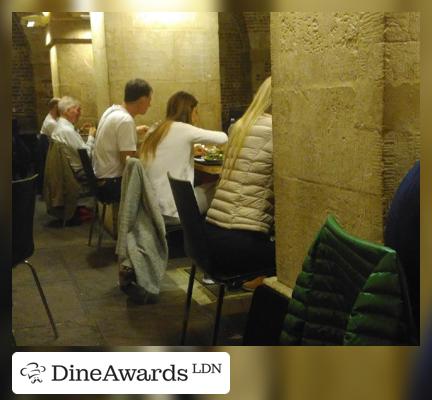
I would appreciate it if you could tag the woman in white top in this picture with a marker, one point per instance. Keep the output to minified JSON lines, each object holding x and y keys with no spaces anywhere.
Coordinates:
{"x":169,"y":148}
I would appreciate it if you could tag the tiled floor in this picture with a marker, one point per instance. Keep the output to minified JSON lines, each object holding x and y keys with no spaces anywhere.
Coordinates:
{"x":89,"y":309}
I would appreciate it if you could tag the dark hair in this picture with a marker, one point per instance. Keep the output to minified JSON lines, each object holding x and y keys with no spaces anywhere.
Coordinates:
{"x":135,"y":89}
{"x":53,"y":103}
{"x":179,"y":109}
{"x":180,"y":106}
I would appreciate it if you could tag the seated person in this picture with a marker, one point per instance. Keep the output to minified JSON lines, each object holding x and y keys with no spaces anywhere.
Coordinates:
{"x":402,"y":233}
{"x":48,"y":126}
{"x":169,"y":148}
{"x":117,"y":139}
{"x":50,"y":121}
{"x":64,"y":132}
{"x":240,"y":219}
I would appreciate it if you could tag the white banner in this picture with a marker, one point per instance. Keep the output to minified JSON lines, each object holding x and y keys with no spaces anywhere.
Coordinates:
{"x":120,"y":373}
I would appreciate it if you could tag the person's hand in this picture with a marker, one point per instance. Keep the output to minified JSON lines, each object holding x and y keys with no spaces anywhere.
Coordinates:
{"x":199,"y":150}
{"x":92,"y":131}
{"x":142,"y":129}
{"x":86,"y":128}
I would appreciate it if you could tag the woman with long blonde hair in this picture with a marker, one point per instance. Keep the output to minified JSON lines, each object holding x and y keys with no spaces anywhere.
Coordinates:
{"x":169,"y":148}
{"x":240,"y":219}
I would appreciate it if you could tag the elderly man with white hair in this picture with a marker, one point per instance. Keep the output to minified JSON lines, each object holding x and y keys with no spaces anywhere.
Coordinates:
{"x":65,"y":132}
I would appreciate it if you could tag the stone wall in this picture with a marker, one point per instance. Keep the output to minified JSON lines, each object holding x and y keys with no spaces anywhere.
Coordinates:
{"x":331,"y":73}
{"x":23,"y":93}
{"x":41,"y":70}
{"x":258,"y":28}
{"x":71,"y":56}
{"x":75,"y":77}
{"x":173,"y":51}
{"x":401,"y":129}
{"x":235,"y":66}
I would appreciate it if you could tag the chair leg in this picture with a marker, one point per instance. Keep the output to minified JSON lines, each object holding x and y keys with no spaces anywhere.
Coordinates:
{"x":101,"y":226}
{"x":42,"y":295}
{"x":218,"y":314}
{"x":187,"y":305}
{"x":95,"y":217}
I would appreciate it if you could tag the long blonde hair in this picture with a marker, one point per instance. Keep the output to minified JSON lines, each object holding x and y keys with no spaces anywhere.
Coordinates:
{"x":179,"y":108}
{"x":260,"y":103}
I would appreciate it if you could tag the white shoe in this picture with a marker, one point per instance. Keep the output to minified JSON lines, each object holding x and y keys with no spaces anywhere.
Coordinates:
{"x":207,"y":280}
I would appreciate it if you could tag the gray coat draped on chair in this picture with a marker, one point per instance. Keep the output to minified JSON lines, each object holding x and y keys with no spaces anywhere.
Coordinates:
{"x":61,"y":190}
{"x":141,"y":242}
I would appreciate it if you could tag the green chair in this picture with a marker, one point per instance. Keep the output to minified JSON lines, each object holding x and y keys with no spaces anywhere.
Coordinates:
{"x":349,"y":292}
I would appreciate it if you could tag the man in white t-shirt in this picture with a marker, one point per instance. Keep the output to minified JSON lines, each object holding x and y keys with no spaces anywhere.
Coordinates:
{"x":116,"y":137}
{"x":50,"y":121}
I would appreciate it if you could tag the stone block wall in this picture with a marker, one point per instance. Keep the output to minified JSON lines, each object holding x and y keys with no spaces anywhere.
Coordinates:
{"x":235,"y":65}
{"x":401,"y":129}
{"x":338,"y":103}
{"x":71,"y":55}
{"x":23,"y":93}
{"x":40,"y":60}
{"x":178,"y":51}
{"x":258,"y":28}
{"x":75,"y":76}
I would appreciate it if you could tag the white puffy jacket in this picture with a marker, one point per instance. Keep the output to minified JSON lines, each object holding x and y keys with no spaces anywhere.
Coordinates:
{"x":245,"y":200}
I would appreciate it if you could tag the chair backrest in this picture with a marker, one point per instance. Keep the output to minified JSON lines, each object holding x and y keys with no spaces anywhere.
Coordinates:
{"x":88,"y":169}
{"x":23,"y":206}
{"x":349,"y":292}
{"x":195,"y":240}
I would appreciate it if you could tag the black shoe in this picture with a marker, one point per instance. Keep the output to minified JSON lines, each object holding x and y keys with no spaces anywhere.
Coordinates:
{"x":138,"y":294}
{"x":74,"y":221}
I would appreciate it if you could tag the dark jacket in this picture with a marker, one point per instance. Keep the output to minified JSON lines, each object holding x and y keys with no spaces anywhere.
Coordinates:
{"x":350,"y":292}
{"x":402,"y":232}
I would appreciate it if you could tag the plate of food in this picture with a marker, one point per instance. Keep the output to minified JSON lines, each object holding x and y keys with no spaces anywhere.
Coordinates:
{"x":210,"y":156}
{"x":203,"y":160}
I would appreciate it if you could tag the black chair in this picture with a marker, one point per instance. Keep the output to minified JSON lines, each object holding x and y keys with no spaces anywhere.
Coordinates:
{"x":23,"y":206}
{"x":93,"y":184}
{"x":196,"y":247}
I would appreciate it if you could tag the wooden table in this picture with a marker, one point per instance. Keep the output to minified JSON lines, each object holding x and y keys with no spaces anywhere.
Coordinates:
{"x":208,"y":169}
{"x":205,"y":173}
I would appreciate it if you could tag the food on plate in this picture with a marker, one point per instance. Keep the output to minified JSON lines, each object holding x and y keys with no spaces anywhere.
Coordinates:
{"x":213,"y":153}
{"x":199,"y":150}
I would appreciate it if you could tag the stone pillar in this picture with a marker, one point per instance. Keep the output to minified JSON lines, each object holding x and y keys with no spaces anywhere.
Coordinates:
{"x":401,"y":130}
{"x":97,"y":21}
{"x":172,"y":51}
{"x":71,"y":57}
{"x":341,"y":124}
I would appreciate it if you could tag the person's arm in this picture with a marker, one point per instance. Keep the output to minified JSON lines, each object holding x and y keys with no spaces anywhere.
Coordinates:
{"x":125,"y":154}
{"x":206,"y":136}
{"x":90,"y":142}
{"x":127,"y":140}
{"x":141,"y":132}
{"x":49,"y":129}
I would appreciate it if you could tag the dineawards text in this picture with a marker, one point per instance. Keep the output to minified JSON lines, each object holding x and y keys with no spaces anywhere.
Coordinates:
{"x":112,"y":374}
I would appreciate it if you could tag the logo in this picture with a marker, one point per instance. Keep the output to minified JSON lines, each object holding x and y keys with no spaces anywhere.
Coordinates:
{"x":120,"y":373}
{"x":33,"y":371}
